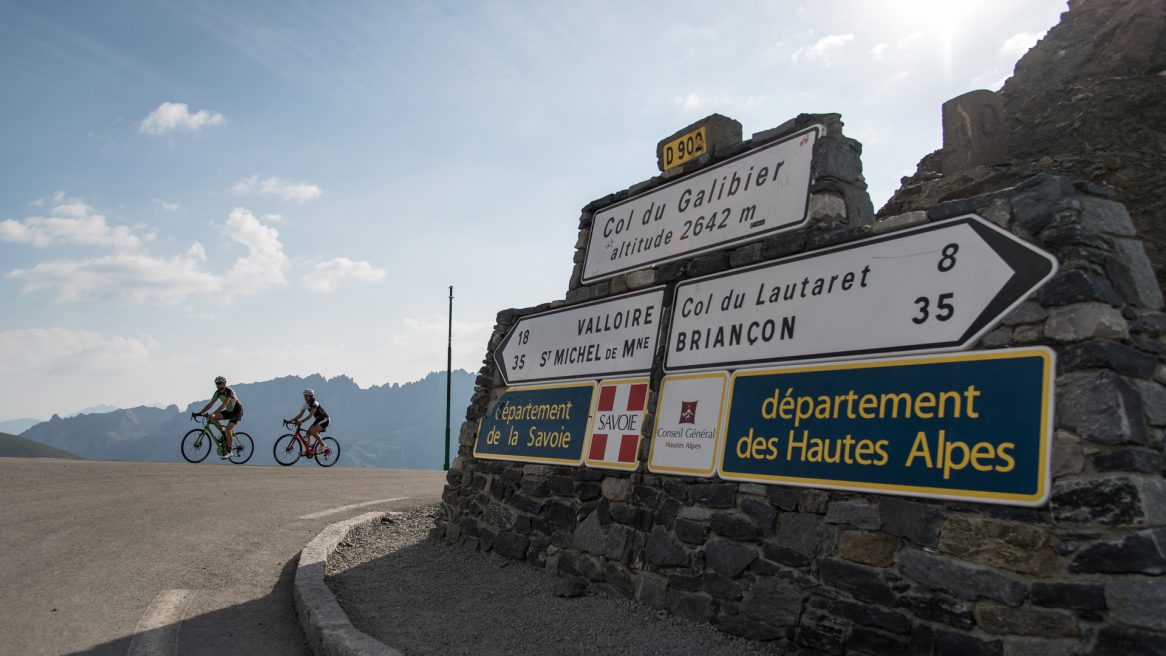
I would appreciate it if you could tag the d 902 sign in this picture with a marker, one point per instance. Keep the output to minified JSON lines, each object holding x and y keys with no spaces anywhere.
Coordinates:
{"x":686,"y":148}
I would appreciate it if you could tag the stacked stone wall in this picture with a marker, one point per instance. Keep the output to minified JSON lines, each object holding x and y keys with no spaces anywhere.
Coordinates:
{"x":826,"y":571}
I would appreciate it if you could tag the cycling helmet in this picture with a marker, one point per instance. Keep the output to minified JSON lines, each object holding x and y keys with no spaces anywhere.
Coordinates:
{"x":310,"y":392}
{"x":220,"y":379}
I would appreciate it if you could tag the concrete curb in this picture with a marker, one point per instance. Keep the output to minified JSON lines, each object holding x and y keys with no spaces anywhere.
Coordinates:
{"x":324,"y":622}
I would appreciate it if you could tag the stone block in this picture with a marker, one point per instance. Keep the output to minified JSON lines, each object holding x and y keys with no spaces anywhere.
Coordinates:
{"x":926,"y":641}
{"x":1131,"y":459}
{"x":761,"y":512}
{"x":1068,"y":456}
{"x":1015,"y":646}
{"x":720,"y":586}
{"x":615,"y":488}
{"x":876,"y":549}
{"x":511,"y":545}
{"x":734,"y":525}
{"x":1005,"y":545}
{"x":664,"y":550}
{"x":1137,"y":602}
{"x":935,"y":607}
{"x":918,"y":522}
{"x":1078,"y":286}
{"x":1026,"y":312}
{"x":796,"y":539}
{"x":864,"y":614}
{"x":1143,"y":552}
{"x":1107,"y":217}
{"x":1124,"y":641}
{"x":854,"y":512}
{"x":715,"y":495}
{"x":696,"y":606}
{"x":729,"y":558}
{"x":1153,"y":396}
{"x":959,"y":579}
{"x":1106,"y":354}
{"x":690,"y":531}
{"x":1074,"y":596}
{"x":651,"y":589}
{"x":776,"y":602}
{"x":1113,"y":500}
{"x":824,"y":205}
{"x":1101,"y":407}
{"x":899,"y":221}
{"x":1081,"y":321}
{"x":974,"y":132}
{"x":1133,"y":276}
{"x":1026,"y":621}
{"x":862,"y":582}
{"x":641,"y":279}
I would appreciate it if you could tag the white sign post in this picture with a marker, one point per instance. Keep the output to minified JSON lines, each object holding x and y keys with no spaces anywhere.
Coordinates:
{"x":934,"y":288}
{"x":761,"y":192}
{"x":615,"y":336}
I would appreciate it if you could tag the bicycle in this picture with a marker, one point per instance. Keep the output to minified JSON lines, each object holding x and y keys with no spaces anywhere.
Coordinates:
{"x":289,"y":448}
{"x":196,"y":445}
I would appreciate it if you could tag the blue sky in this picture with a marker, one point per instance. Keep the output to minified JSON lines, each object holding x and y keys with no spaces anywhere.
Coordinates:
{"x":259,"y":189}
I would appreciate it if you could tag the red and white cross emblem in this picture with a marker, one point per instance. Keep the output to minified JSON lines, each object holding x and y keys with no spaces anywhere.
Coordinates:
{"x":615,"y":435}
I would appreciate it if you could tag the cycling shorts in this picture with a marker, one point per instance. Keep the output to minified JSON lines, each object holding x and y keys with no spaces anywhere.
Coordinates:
{"x":322,"y":423}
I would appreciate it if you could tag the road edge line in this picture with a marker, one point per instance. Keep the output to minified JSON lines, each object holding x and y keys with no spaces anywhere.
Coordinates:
{"x":324,"y":623}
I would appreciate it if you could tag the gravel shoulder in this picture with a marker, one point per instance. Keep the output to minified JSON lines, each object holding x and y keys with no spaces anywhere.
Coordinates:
{"x":423,"y":597}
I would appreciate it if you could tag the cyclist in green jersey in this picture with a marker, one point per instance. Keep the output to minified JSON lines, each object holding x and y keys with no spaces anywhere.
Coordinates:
{"x":230,"y":409}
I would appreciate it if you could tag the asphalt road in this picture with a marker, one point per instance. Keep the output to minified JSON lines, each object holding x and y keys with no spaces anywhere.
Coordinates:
{"x":139,"y":558}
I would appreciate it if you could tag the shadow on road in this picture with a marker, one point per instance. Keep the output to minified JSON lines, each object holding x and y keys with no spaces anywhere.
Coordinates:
{"x":263,"y":626}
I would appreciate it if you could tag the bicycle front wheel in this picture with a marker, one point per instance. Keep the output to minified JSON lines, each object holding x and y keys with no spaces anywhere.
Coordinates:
{"x":241,"y":448}
{"x":196,"y":446}
{"x":327,"y":453}
{"x":287,"y":450}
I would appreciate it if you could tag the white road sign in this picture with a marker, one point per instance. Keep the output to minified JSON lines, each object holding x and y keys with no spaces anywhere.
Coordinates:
{"x":614,"y":336}
{"x":759,"y":193}
{"x":933,"y":288}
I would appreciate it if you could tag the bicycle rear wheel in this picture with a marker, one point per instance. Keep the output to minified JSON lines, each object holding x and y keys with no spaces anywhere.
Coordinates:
{"x":196,"y":445}
{"x":241,"y":448}
{"x":287,"y":450}
{"x":328,"y":453}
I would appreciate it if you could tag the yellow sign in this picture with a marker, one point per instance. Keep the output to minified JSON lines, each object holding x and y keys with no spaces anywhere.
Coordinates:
{"x":686,"y":148}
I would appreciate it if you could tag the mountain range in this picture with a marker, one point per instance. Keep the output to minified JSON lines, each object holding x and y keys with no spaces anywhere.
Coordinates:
{"x":397,"y":426}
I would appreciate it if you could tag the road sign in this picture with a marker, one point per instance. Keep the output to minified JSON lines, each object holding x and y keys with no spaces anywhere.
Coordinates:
{"x":545,"y":423}
{"x":689,"y":411}
{"x":613,"y":337}
{"x":614,"y":439}
{"x":972,"y":426}
{"x":938,"y":287}
{"x":763,"y":191}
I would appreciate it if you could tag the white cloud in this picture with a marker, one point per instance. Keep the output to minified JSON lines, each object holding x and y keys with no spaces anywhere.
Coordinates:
{"x":822,"y":50}
{"x":46,"y":350}
{"x":878,"y":51}
{"x":1018,"y":44}
{"x":326,"y":276}
{"x":176,"y":116}
{"x":164,"y":205}
{"x":138,"y":277}
{"x":70,"y":222}
{"x":263,"y":267}
{"x":286,"y":189}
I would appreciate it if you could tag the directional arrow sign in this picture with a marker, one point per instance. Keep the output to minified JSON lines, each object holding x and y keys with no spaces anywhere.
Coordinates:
{"x":934,"y":288}
{"x":615,"y":336}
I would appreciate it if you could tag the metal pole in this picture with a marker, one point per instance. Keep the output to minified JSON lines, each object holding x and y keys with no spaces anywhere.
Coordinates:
{"x":448,"y":374}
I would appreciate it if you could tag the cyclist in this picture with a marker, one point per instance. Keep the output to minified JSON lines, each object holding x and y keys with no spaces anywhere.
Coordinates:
{"x":313,"y":409}
{"x":230,"y":409}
